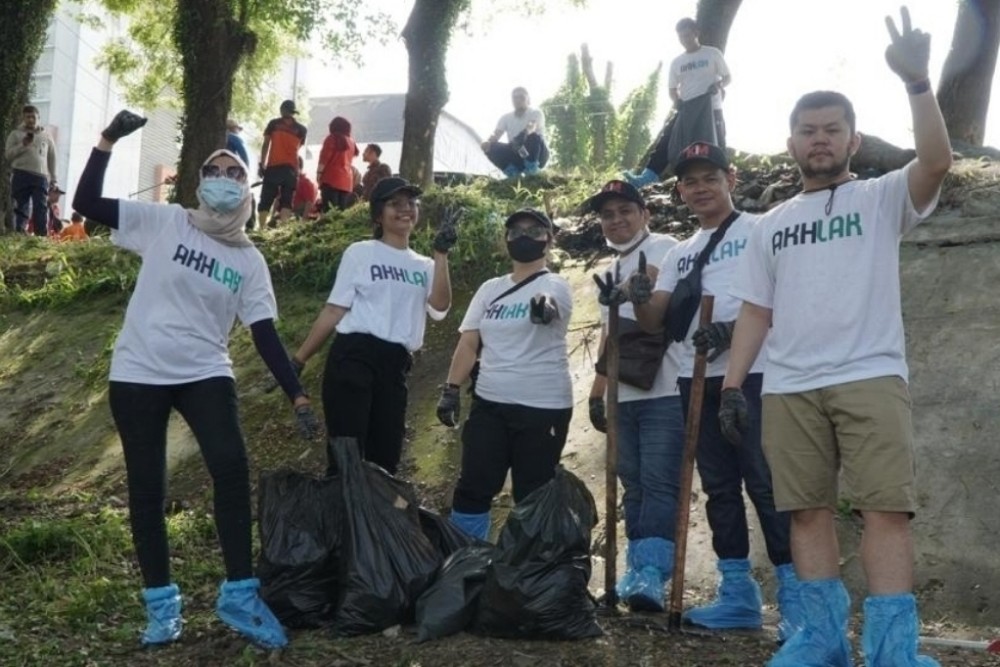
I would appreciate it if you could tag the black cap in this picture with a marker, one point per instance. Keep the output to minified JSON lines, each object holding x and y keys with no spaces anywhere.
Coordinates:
{"x":615,"y":189}
{"x":288,"y":106}
{"x":387,"y":187}
{"x":701,"y":151}
{"x":531,"y":214}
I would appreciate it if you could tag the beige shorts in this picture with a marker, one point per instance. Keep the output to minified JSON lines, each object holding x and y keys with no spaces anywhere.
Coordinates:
{"x":860,"y":429}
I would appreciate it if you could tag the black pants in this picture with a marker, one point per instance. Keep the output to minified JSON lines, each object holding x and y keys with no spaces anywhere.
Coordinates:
{"x":498,"y":437}
{"x":333,"y":198}
{"x":210,"y":408}
{"x":25,"y":187}
{"x":503,"y":155}
{"x":279,"y":183}
{"x":726,"y":468}
{"x":364,"y":396}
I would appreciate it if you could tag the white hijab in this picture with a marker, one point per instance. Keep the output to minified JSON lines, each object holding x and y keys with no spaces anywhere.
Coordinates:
{"x":226,"y":228}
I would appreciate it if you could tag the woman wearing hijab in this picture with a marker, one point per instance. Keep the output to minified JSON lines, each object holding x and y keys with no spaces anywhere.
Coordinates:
{"x":378,"y":306}
{"x":523,"y":396}
{"x":334,"y":173}
{"x":199,"y":273}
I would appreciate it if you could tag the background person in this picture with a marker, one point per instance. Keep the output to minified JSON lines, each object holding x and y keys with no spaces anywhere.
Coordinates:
{"x":525,"y":129}
{"x":378,"y":306}
{"x":75,"y":230}
{"x":375,"y":172}
{"x":820,"y":280}
{"x":199,"y":273}
{"x":31,"y":153}
{"x":335,"y":174}
{"x":279,"y":162}
{"x":523,"y":397}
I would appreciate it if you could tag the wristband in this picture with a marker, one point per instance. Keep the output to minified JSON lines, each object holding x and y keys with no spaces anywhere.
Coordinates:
{"x":918,"y":87}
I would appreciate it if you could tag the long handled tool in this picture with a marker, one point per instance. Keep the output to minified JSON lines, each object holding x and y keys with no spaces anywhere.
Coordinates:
{"x":992,"y":646}
{"x":692,"y":428}
{"x":611,"y":462}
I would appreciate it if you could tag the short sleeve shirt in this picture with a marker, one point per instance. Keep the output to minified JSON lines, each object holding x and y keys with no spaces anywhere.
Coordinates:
{"x":692,"y":74}
{"x":512,"y":125}
{"x":287,"y":135}
{"x":189,"y":292}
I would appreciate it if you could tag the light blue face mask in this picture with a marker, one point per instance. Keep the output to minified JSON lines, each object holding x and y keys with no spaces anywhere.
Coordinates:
{"x":222,"y":194}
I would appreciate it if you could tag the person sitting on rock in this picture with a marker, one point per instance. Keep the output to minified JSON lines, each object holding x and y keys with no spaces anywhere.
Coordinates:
{"x":527,"y":152}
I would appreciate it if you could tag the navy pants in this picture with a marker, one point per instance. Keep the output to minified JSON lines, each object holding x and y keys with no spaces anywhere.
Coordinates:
{"x":25,"y":187}
{"x":726,"y":468}
{"x":504,"y":155}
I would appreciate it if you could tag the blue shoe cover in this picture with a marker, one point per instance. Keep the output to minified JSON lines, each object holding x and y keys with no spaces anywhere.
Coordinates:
{"x":738,"y":601}
{"x":653,"y":561}
{"x":645,"y":178}
{"x":531,"y":168}
{"x":789,"y":604}
{"x":627,"y":580}
{"x":891,"y":632}
{"x":240,"y":607}
{"x":473,"y":525}
{"x":822,"y":642}
{"x":510,"y":171}
{"x":163,"y":613}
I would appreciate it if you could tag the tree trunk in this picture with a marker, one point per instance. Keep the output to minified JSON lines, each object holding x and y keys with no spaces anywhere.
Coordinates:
{"x":22,"y":33}
{"x":715,"y":18}
{"x":599,"y":109}
{"x":967,"y":77}
{"x":211,"y":43}
{"x":427,"y":33}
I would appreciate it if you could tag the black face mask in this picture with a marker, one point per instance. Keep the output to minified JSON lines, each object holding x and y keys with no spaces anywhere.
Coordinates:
{"x":525,"y":249}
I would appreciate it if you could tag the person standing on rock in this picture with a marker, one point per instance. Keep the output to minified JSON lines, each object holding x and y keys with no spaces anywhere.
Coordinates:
{"x":650,"y":424}
{"x":381,"y":298}
{"x":522,"y":397}
{"x":199,"y":273}
{"x":705,"y":183}
{"x":820,"y":281}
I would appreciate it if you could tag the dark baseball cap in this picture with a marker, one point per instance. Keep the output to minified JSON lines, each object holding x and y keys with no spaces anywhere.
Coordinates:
{"x":531,"y":214}
{"x":612,"y":190}
{"x":288,"y":106}
{"x":701,"y":151}
{"x":387,"y":187}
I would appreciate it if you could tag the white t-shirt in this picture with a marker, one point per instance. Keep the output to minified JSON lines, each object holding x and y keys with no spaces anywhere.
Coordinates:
{"x":655,"y":246}
{"x":385,"y":290}
{"x":521,"y":362}
{"x":692,"y":74}
{"x":513,"y":125}
{"x":189,"y":292}
{"x":832,"y":281}
{"x":717,"y":277}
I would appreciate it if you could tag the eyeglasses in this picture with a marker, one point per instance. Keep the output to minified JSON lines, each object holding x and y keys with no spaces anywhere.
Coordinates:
{"x":532,"y":232}
{"x":403,"y":204}
{"x":235,"y":172}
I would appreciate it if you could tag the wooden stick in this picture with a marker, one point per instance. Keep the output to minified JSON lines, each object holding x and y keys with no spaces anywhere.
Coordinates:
{"x":611,"y":463}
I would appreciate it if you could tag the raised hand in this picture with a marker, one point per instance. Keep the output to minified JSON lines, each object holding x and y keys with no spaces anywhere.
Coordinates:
{"x":608,"y":293}
{"x":541,"y":309}
{"x":909,"y":52}
{"x":716,"y":336}
{"x":447,"y":234}
{"x":123,"y":124}
{"x":449,"y":406}
{"x":640,"y":285}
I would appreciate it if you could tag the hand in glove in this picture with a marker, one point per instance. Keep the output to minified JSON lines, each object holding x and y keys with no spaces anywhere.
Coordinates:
{"x":542,"y":309}
{"x":449,"y":406}
{"x":717,"y":336}
{"x":447,"y":235}
{"x":598,"y":418}
{"x":734,"y":418}
{"x":123,"y":124}
{"x":640,"y":285}
{"x":909,"y":52}
{"x":306,"y":422}
{"x":609,"y":293}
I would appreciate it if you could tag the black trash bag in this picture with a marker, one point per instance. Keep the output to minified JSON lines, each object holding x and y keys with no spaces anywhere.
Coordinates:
{"x":300,"y":519}
{"x":446,"y":537}
{"x":536,"y":588}
{"x":449,"y":605}
{"x":386,"y":560}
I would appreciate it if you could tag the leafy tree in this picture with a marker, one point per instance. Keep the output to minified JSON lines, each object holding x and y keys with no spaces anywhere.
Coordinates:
{"x":634,"y":118}
{"x":22,"y":33}
{"x":566,"y":118}
{"x":217,"y":53}
{"x":967,"y":78}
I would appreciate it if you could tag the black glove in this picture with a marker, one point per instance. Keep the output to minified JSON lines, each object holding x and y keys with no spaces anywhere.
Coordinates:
{"x":542,"y":310}
{"x":447,"y":235}
{"x":717,"y":336}
{"x":608,"y":293}
{"x":123,"y":124}
{"x":734,"y":418}
{"x":306,"y":422}
{"x":640,"y":285}
{"x":598,"y":418}
{"x":909,"y":53}
{"x":449,"y":406}
{"x":297,"y":366}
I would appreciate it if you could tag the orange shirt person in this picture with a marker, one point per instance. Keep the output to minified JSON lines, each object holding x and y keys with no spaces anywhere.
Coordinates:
{"x":75,"y":230}
{"x":279,"y":159}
